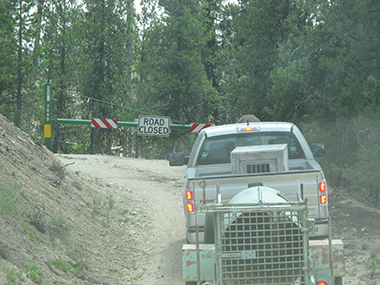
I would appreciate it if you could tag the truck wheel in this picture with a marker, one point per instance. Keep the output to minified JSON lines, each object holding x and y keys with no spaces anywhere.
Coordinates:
{"x":209,"y":229}
{"x":338,"y":281}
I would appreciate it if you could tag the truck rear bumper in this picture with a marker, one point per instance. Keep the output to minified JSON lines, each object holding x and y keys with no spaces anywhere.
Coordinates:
{"x":191,"y":235}
{"x":321,"y":229}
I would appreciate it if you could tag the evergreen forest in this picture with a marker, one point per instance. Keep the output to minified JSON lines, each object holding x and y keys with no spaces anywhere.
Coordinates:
{"x":312,"y":62}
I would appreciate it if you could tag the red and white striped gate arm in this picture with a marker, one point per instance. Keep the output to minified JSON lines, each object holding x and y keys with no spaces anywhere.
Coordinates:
{"x":104,"y":123}
{"x":196,"y":128}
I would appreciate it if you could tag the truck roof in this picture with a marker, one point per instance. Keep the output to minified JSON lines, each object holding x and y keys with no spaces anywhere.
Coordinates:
{"x":259,"y":126}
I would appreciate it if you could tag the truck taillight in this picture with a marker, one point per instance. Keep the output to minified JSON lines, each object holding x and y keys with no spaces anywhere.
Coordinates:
{"x":190,"y":207}
{"x":189,"y":198}
{"x":323,"y":199}
{"x":189,"y":195}
{"x":248,"y":129}
{"x":322,"y":193}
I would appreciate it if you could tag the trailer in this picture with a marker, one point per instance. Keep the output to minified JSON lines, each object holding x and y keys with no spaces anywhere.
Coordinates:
{"x":261,"y":237}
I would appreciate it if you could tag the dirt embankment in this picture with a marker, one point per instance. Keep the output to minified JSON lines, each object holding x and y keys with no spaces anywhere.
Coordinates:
{"x":86,"y":219}
{"x":83,"y":219}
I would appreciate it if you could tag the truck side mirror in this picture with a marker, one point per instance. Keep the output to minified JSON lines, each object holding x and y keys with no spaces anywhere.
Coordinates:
{"x":318,"y":149}
{"x":177,"y":159}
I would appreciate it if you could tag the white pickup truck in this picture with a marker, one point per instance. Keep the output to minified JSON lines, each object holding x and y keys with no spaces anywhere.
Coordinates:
{"x":227,"y":159}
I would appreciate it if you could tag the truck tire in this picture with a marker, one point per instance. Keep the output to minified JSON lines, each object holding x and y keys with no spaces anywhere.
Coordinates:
{"x":209,"y":229}
{"x":338,"y":281}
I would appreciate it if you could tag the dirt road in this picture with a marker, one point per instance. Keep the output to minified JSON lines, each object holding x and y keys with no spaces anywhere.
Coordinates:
{"x":155,"y":190}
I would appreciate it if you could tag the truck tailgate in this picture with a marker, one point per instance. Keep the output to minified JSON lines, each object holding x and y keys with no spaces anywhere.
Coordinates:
{"x":288,"y":183}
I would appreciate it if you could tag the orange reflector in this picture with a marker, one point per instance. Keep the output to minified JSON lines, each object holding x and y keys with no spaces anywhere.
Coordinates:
{"x":323,"y":199}
{"x":189,"y":195}
{"x":190,"y":207}
{"x":321,"y":283}
{"x":248,"y":129}
{"x":322,"y":186}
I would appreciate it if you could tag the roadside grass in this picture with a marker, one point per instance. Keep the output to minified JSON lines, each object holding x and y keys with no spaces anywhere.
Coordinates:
{"x":14,"y":278}
{"x":374,"y":264}
{"x":104,"y":208}
{"x":66,"y":266}
{"x":9,"y":201}
{"x":32,"y":272}
{"x":33,"y":237}
{"x":124,"y":220}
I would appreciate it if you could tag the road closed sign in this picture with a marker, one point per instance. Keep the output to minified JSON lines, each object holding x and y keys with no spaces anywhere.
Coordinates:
{"x":153,"y":126}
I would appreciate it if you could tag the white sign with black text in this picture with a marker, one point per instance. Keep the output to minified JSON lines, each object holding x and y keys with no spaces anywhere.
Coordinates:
{"x":153,"y":126}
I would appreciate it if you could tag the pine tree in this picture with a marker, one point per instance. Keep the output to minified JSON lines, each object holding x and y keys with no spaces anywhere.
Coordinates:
{"x":106,"y":60}
{"x":173,"y":49}
{"x":8,"y":52}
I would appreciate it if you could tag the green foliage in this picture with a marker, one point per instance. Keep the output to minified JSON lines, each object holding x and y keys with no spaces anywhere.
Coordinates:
{"x":31,"y":234}
{"x":173,"y":79}
{"x":331,"y":61}
{"x":66,"y":266}
{"x":63,"y":265}
{"x":258,"y":29}
{"x":9,"y":201}
{"x":60,"y":229}
{"x":32,"y":272}
{"x":13,"y":277}
{"x":363,"y":173}
{"x":352,"y":159}
{"x":373,"y":264}
{"x":103,"y":209}
{"x":8,"y":52}
{"x":77,"y":253}
{"x":106,"y":62}
{"x":61,"y":224}
{"x":124,"y":220}
{"x":97,"y":208}
{"x":159,"y":148}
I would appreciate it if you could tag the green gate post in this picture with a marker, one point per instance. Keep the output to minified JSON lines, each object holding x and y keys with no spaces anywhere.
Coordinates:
{"x":48,"y":114}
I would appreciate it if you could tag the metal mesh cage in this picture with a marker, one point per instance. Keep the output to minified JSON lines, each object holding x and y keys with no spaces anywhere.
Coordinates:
{"x":254,"y":246}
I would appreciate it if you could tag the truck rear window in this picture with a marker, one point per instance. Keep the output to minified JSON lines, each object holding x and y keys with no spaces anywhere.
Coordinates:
{"x":216,"y":150}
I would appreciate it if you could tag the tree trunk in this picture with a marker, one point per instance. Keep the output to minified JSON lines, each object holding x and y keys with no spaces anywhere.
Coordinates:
{"x":62,"y":85}
{"x":19,"y":71}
